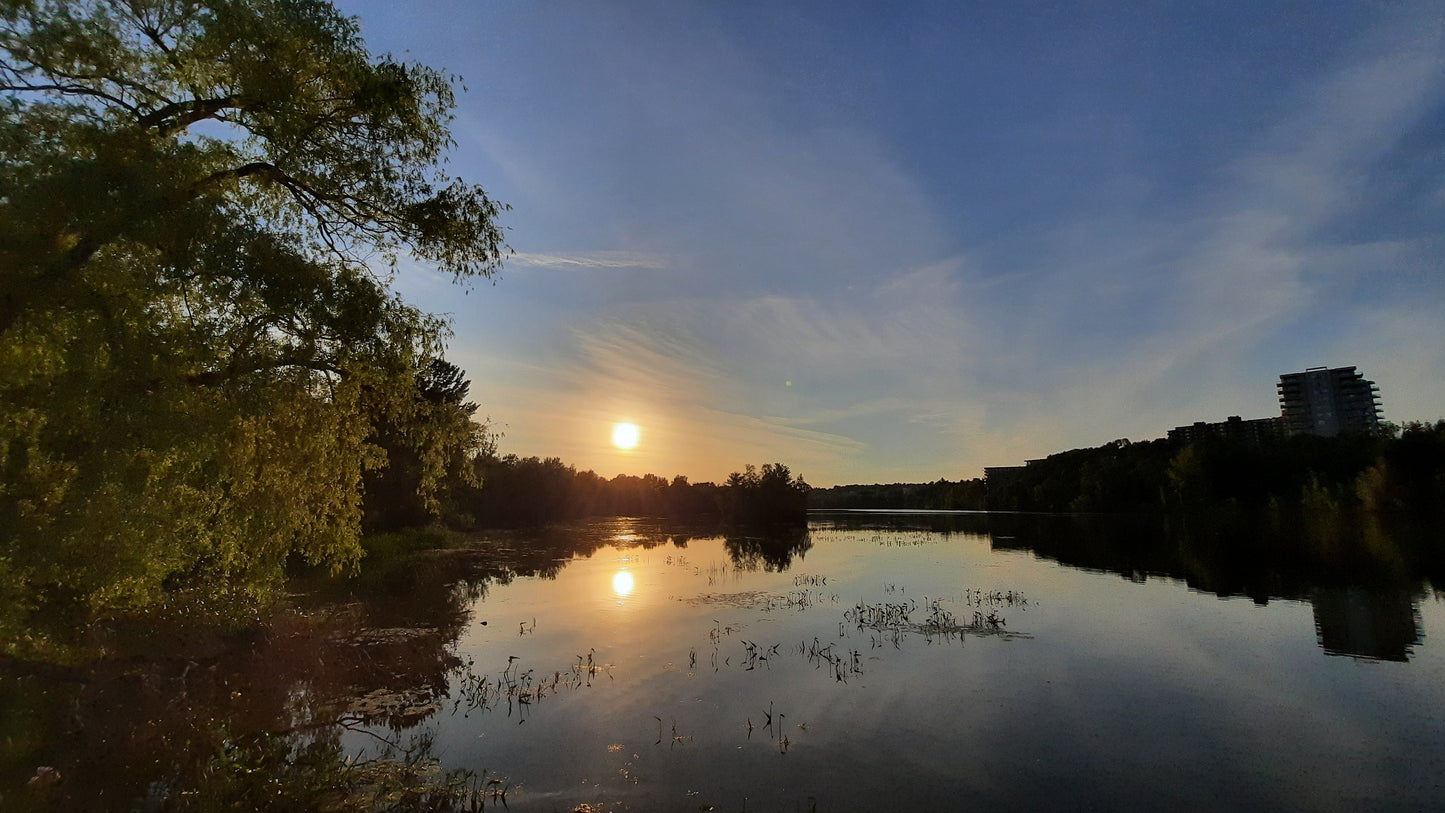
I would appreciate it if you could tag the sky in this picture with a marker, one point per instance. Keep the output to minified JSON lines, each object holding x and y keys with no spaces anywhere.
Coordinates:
{"x":901,"y":242}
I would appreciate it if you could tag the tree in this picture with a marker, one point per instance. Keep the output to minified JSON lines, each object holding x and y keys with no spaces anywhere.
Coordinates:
{"x":772,"y":495}
{"x":430,"y":440}
{"x":200,"y":204}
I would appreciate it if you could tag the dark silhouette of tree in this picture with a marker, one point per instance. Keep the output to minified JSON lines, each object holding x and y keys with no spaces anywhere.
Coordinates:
{"x":1374,"y":471}
{"x":1410,"y":474}
{"x":772,"y":495}
{"x":530,"y":491}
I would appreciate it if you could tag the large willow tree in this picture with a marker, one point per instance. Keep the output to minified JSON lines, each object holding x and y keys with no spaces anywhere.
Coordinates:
{"x":201,"y":203}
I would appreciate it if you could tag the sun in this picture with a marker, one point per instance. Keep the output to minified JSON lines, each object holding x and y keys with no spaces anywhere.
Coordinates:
{"x":624,"y":435}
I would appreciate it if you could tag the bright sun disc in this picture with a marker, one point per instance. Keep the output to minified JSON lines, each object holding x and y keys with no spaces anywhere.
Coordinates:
{"x":624,"y":435}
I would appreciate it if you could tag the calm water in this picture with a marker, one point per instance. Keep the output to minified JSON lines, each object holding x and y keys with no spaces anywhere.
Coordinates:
{"x":874,"y":661}
{"x":908,"y":664}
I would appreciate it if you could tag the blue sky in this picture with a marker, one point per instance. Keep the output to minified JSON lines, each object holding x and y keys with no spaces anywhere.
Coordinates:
{"x":899,"y":242}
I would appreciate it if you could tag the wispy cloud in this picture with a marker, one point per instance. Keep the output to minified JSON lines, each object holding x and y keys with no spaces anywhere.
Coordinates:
{"x":846,"y":292}
{"x":1141,"y":322}
{"x":694,"y":414}
{"x":595,"y":259}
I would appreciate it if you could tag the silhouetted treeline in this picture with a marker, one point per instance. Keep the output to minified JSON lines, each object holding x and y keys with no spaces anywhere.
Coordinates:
{"x":1375,"y":472}
{"x":1118,"y":476}
{"x":939,"y":496}
{"x":529,"y":490}
{"x":511,"y":490}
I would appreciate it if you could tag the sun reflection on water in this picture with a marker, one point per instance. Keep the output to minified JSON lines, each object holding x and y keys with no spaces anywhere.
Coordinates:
{"x":622,"y":584}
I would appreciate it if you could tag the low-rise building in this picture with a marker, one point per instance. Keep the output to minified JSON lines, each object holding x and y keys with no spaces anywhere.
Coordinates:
{"x":1253,"y":432}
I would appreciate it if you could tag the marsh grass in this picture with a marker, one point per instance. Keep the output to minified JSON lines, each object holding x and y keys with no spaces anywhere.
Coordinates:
{"x":934,"y":621}
{"x":276,"y":772}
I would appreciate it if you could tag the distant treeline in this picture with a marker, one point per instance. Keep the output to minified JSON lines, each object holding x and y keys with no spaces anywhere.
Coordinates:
{"x":507,"y":490}
{"x":943,"y":495}
{"x":1386,"y":472}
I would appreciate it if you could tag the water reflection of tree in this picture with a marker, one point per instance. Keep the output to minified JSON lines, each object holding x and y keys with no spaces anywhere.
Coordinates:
{"x":1262,"y":556}
{"x":772,"y":549}
{"x":120,"y":731}
{"x":125,"y":729}
{"x":974,"y":523}
{"x":1362,"y":573}
{"x":543,"y":552}
{"x":183,"y":703}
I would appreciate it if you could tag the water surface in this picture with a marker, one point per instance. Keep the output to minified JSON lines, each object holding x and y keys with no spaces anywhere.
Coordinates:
{"x":872,"y":660}
{"x":918,"y":663}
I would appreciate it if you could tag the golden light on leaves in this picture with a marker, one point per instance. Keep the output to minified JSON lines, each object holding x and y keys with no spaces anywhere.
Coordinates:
{"x":624,"y":435}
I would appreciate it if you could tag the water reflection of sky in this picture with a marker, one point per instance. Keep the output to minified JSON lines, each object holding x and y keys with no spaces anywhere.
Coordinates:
{"x":1117,"y":693}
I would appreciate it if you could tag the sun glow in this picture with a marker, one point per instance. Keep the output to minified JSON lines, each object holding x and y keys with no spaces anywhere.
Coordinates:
{"x":624,"y":435}
{"x":622,"y":584}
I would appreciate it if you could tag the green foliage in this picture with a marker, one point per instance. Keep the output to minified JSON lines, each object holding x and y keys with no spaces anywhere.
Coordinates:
{"x":193,"y":344}
{"x":407,"y":541}
{"x":430,"y":441}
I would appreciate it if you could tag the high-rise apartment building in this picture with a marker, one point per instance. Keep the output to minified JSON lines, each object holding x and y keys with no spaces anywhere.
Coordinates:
{"x":1327,"y":401}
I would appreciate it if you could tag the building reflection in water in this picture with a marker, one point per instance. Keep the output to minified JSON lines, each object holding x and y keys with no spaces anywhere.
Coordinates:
{"x":1363,"y":623}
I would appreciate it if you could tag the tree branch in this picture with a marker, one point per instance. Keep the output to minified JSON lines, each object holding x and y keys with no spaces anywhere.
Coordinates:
{"x":177,"y":116}
{"x":69,"y":90}
{"x":211,"y":378}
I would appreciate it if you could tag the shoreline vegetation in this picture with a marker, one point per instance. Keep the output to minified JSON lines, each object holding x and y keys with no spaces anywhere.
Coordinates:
{"x":512,"y":491}
{"x":1395,"y":472}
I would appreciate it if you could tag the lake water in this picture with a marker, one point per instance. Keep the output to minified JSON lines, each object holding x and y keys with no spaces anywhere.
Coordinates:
{"x":907,"y":662}
{"x":873,"y":661}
